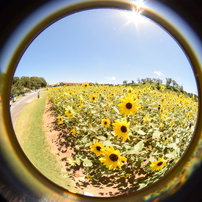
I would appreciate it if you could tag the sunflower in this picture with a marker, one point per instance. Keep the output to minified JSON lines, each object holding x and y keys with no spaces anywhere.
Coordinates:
{"x":70,"y":92}
{"x":81,"y":98}
{"x":146,"y":118}
{"x":93,"y":98}
{"x":80,"y":105}
{"x":163,"y":88}
{"x":158,"y":165}
{"x":128,"y":105}
{"x":112,"y":158}
{"x":97,"y":148}
{"x":106,"y":110}
{"x":60,"y":119}
{"x":121,"y":129}
{"x":73,"y":131}
{"x":130,"y":90}
{"x":105,"y":123}
{"x":85,"y":85}
{"x":69,"y":111}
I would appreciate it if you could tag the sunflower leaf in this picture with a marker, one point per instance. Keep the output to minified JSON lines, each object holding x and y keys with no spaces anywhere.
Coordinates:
{"x":87,"y":162}
{"x":78,"y":162}
{"x":137,"y":148}
{"x":107,"y":143}
{"x":115,"y":109}
{"x":130,"y":152}
{"x":87,"y":144}
{"x":156,"y":134}
{"x":171,"y":154}
{"x":127,"y":146}
{"x":172,"y":145}
{"x":141,"y":132}
{"x":84,"y":140}
{"x":101,"y":138}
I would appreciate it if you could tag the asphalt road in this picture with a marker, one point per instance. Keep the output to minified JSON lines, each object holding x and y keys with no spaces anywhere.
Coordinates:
{"x":20,"y":103}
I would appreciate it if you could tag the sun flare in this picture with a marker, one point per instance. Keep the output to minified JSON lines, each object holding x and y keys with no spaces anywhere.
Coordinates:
{"x":134,"y":16}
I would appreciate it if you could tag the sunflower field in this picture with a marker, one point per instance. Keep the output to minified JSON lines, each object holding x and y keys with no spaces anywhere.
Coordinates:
{"x":123,"y":137}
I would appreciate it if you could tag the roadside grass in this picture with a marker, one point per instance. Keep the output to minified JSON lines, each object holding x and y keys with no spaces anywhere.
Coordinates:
{"x":30,"y":134}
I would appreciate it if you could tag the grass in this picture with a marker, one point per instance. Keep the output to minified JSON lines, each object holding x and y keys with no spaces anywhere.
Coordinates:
{"x":30,"y":134}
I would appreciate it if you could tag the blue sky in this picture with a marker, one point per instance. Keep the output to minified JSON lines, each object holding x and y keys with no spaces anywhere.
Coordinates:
{"x":106,"y":46}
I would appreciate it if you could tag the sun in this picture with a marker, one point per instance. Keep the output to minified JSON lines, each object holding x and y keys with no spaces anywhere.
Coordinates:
{"x":134,"y":16}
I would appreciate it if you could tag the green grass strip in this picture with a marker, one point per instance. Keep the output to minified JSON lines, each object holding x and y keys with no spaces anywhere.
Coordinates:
{"x":30,"y":134}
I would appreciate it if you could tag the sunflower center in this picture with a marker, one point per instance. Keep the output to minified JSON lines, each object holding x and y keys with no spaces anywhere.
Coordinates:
{"x":160,"y":163}
{"x":113,"y":157}
{"x":105,"y":123}
{"x":123,"y":129}
{"x":98,"y":148}
{"x":129,"y":105}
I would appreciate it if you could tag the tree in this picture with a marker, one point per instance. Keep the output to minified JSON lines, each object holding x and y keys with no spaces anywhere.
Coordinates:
{"x":13,"y":91}
{"x":143,"y":81}
{"x":15,"y":80}
{"x":26,"y":81}
{"x":149,"y":80}
{"x":125,"y":83}
{"x":159,"y":81}
{"x":181,"y":89}
{"x":168,"y":81}
{"x":158,"y":85}
{"x":19,"y":84}
{"x":43,"y":82}
{"x":174,"y":83}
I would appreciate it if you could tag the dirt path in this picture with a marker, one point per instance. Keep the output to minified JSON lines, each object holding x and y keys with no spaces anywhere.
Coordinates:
{"x":64,"y":153}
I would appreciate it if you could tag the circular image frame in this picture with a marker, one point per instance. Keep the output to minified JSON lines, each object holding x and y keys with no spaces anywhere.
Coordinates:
{"x":17,"y":163}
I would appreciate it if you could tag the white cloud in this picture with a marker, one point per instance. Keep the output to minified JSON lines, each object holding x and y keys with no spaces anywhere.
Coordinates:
{"x":112,"y":78}
{"x":158,"y":73}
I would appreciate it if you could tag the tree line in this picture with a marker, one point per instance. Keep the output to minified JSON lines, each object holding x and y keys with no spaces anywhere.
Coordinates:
{"x":24,"y":84}
{"x":170,"y":84}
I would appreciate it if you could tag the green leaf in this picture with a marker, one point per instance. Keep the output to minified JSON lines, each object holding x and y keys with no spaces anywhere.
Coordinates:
{"x":141,"y":132}
{"x":156,"y":134}
{"x":87,"y":144}
{"x":77,"y":147}
{"x":172,"y":145}
{"x":115,"y":109}
{"x":84,"y":140}
{"x":78,"y":162}
{"x":127,"y":146}
{"x":137,"y":148}
{"x":152,"y":159}
{"x":93,"y":111}
{"x":101,"y":138}
{"x":107,"y":143}
{"x":142,"y":185}
{"x":130,"y":152}
{"x":171,"y":154}
{"x":138,"y":163}
{"x":87,"y":162}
